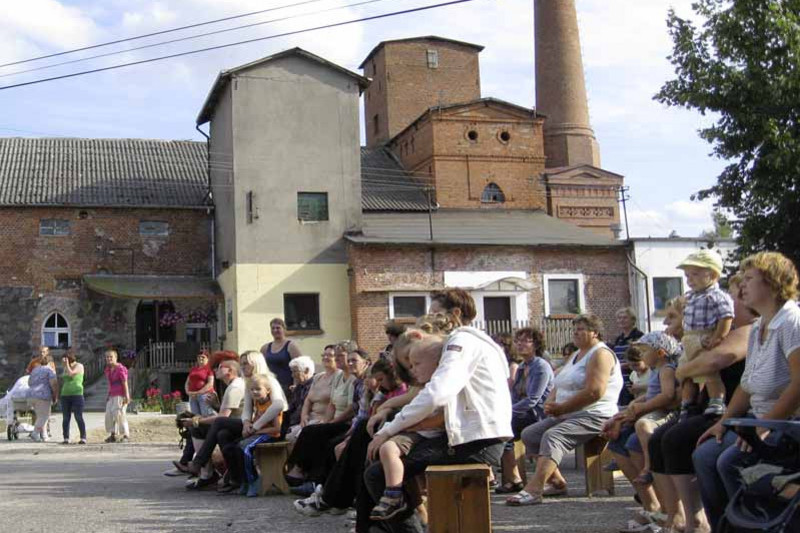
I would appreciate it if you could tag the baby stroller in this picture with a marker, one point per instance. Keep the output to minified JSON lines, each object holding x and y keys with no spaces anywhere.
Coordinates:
{"x":20,"y":408}
{"x":769,"y":500}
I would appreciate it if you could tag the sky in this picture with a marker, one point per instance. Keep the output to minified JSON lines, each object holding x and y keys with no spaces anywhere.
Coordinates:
{"x":625,"y":47}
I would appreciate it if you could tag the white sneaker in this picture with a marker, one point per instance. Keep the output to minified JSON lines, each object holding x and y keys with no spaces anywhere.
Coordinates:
{"x":635,"y":527}
{"x":36,"y":437}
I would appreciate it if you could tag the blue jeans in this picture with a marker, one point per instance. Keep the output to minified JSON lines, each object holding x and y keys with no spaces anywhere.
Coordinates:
{"x":70,"y":405}
{"x":717,"y":467}
{"x":199,"y":406}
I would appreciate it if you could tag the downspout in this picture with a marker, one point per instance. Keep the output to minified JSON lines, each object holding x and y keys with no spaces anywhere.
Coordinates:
{"x":210,"y":198}
{"x":646,"y":288}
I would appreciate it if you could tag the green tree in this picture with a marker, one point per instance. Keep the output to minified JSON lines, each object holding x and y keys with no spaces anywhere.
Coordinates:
{"x":722,"y":227}
{"x":740,"y":63}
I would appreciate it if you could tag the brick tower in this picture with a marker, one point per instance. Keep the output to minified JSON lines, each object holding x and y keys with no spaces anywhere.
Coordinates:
{"x":560,"y":86}
{"x":409,"y":76}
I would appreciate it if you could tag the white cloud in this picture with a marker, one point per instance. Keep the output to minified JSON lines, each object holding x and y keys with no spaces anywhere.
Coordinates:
{"x":687,"y":219}
{"x":34,"y":25}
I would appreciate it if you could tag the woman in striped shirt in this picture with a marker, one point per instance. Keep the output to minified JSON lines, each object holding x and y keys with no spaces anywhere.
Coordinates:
{"x":770,"y":385}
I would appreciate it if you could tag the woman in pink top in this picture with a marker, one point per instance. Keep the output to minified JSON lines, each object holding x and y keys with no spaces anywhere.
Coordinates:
{"x":118,"y":398}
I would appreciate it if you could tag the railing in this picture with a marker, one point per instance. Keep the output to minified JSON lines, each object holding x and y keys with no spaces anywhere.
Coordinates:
{"x":93,"y":370}
{"x":138,"y":372}
{"x":557,"y":331}
{"x":163,"y":355}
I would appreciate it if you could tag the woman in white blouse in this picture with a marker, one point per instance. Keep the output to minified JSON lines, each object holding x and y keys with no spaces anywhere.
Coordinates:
{"x":770,"y":385}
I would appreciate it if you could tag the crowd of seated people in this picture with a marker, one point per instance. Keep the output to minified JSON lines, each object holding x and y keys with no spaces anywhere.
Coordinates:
{"x":365,"y":429}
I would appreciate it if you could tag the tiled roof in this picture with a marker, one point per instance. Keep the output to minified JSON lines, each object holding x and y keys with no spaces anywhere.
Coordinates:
{"x":102,"y":172}
{"x":155,"y":173}
{"x":386,"y":186}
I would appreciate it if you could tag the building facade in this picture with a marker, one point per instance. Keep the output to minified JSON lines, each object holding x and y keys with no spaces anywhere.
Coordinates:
{"x":95,"y":234}
{"x":285,"y":167}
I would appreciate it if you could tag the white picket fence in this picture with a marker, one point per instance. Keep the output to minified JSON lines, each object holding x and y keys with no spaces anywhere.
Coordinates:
{"x":557,"y":331}
{"x":162,"y":355}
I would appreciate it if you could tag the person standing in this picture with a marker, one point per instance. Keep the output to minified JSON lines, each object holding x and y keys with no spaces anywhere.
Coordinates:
{"x":118,"y":398}
{"x":279,"y":352}
{"x":72,"y":396}
{"x":43,"y":392}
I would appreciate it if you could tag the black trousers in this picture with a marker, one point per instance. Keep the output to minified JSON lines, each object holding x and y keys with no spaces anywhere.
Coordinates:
{"x":344,"y":478}
{"x":313,"y":451}
{"x":223,"y":431}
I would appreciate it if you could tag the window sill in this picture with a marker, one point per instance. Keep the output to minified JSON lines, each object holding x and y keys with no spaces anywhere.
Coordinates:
{"x":563,"y":315}
{"x":304,"y":332}
{"x":404,"y":320}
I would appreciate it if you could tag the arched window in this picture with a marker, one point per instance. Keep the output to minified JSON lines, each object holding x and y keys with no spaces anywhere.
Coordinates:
{"x":493,"y":194}
{"x":55,"y":333}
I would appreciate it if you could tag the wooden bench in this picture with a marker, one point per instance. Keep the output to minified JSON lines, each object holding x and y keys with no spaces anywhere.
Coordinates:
{"x":271,"y":460}
{"x":458,"y":499}
{"x":595,"y":455}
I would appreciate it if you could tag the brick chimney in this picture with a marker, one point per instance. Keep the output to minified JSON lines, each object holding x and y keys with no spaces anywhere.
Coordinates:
{"x":561,"y":88}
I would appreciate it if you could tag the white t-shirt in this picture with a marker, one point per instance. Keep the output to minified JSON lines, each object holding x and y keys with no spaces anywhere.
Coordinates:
{"x":766,"y":369}
{"x":233,"y":398}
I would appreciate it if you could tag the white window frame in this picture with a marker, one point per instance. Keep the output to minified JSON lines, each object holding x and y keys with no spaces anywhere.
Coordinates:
{"x":392,"y":296}
{"x":518,"y":300}
{"x":432,"y":58}
{"x":546,"y":278}
{"x":56,"y":330}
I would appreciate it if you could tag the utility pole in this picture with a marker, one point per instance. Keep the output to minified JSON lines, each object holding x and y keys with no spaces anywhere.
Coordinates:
{"x":624,"y":197}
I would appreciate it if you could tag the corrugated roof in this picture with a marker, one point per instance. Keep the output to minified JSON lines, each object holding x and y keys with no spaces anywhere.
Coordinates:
{"x":476,"y":227}
{"x":102,"y":172}
{"x":386,"y":186}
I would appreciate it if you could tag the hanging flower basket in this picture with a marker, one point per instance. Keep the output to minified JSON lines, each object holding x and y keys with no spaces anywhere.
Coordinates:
{"x":170,"y":319}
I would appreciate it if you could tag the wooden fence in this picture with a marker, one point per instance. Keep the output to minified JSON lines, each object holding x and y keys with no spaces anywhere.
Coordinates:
{"x":557,"y":331}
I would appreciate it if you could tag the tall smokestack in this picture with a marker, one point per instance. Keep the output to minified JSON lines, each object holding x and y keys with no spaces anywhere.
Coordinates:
{"x":560,"y":86}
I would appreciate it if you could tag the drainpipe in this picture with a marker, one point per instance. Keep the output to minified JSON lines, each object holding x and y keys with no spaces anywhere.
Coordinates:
{"x":210,"y":198}
{"x":646,"y":288}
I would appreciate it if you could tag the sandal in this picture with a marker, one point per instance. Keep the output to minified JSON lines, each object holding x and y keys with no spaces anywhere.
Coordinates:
{"x":524,"y":498}
{"x":509,"y":488}
{"x":388,"y":508}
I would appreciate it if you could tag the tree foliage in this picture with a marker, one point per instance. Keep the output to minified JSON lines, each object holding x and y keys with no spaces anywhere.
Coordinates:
{"x":740,"y":62}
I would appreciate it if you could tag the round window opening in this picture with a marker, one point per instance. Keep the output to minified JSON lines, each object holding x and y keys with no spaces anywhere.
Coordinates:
{"x":472,"y":135}
{"x":505,"y":136}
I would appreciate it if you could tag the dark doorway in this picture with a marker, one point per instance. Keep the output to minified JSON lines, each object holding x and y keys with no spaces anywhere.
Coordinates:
{"x":145,"y":324}
{"x":497,"y":308}
{"x":148,"y":323}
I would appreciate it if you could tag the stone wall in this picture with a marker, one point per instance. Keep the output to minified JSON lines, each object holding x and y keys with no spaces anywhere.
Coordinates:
{"x":18,"y":308}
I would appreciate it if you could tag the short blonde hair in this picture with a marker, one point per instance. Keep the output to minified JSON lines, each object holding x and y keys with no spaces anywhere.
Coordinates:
{"x":778,"y":271}
{"x":260,"y":381}
{"x":629,"y":312}
{"x":678,"y":304}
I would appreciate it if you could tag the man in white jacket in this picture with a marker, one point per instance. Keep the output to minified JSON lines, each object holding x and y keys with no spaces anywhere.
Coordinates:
{"x":471,"y":385}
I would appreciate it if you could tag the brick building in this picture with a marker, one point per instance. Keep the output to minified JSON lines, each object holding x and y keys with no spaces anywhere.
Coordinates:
{"x":479,"y":204}
{"x":98,"y":238}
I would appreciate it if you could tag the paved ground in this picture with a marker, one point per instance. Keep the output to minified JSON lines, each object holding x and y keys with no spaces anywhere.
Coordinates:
{"x":119,"y":488}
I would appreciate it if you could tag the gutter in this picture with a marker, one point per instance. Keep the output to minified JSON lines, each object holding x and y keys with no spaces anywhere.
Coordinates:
{"x":210,"y":198}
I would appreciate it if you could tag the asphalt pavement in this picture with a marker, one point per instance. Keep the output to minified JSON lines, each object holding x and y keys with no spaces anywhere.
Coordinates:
{"x":50,"y":488}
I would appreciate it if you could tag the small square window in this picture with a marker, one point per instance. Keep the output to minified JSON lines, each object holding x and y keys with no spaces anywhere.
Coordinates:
{"x":54,"y":226}
{"x":312,"y":206}
{"x":301,"y":311}
{"x":409,"y":306}
{"x":433,"y":58}
{"x":563,"y":296}
{"x":665,"y":289}
{"x":152,"y":228}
